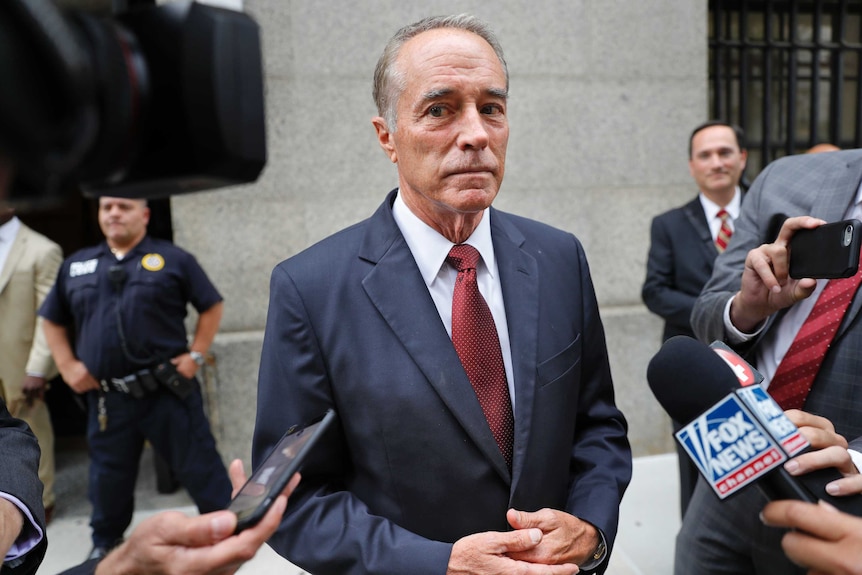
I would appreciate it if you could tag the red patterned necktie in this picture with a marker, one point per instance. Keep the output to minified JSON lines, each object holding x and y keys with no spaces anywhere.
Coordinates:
{"x":796,"y":372}
{"x":724,"y":232}
{"x":475,"y":338}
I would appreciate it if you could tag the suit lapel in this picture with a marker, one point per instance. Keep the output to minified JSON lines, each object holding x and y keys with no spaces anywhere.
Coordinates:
{"x":15,"y":254}
{"x":837,"y":192}
{"x":831,"y":206}
{"x":694,"y":214}
{"x":519,"y":281}
{"x":416,"y":323}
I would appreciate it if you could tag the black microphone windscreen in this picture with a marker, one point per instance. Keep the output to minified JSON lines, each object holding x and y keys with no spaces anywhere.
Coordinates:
{"x":687,"y":377}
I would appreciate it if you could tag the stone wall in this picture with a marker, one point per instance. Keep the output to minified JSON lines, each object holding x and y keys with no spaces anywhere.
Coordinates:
{"x":603,"y":96}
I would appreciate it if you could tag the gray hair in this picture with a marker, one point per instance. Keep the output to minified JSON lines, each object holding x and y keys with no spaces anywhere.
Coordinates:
{"x":389,"y":82}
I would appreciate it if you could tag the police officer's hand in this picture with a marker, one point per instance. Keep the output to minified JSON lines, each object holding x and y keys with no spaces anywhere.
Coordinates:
{"x":33,"y":388}
{"x":185,"y":365}
{"x":78,"y":377}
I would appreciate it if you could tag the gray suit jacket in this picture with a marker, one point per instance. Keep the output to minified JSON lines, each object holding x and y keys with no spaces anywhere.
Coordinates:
{"x":820,"y":185}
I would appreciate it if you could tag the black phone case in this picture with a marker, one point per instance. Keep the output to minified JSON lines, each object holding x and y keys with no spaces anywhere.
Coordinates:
{"x":830,"y":251}
{"x":250,"y":516}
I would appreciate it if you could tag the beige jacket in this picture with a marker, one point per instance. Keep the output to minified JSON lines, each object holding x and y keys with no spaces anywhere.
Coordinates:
{"x":26,"y":278}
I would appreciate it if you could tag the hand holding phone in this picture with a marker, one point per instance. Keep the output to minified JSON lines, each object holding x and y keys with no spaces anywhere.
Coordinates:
{"x":257,"y":495}
{"x":829,"y":251}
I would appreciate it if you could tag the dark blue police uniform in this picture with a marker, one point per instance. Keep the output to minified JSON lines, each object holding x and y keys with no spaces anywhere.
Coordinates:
{"x":124,"y":316}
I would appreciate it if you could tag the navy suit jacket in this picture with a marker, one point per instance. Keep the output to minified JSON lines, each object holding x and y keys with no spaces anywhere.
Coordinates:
{"x":681,"y":256}
{"x":19,"y":462}
{"x":413,"y":465}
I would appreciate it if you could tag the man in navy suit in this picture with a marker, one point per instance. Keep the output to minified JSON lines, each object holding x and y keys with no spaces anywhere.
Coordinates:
{"x":684,"y":243}
{"x":683,"y":240}
{"x":412,"y":480}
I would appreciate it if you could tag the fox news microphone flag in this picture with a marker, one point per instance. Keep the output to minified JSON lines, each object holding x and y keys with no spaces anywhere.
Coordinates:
{"x":736,"y":436}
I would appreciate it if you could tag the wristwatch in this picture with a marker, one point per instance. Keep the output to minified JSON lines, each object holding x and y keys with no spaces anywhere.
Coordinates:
{"x":601,"y":550}
{"x":198,"y":357}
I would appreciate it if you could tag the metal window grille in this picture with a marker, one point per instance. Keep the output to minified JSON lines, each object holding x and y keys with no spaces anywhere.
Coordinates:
{"x":788,"y":72}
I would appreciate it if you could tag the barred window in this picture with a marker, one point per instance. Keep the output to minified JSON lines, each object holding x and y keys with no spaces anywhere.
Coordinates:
{"x":787,"y":72}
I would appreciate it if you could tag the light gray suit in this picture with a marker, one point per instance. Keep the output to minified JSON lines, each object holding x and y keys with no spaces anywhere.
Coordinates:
{"x":727,"y":537}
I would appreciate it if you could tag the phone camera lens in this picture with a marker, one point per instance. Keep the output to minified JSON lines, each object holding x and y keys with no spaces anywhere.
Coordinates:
{"x":848,"y":235}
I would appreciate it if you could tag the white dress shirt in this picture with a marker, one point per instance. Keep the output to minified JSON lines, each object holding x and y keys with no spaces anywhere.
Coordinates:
{"x":430,"y":249}
{"x":8,"y":231}
{"x":711,"y":209}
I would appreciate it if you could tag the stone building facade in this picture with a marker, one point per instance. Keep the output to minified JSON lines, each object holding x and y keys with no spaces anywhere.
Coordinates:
{"x":603,"y":96}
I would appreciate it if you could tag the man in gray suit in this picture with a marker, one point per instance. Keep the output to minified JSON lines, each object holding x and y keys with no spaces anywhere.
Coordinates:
{"x":751,"y":303}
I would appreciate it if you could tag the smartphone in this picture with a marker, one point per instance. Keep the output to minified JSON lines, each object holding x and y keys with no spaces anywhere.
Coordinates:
{"x":829,"y":251}
{"x":272,"y":476}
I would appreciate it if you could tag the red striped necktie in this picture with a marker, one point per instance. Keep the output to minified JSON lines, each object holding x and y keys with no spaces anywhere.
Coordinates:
{"x":796,"y":372}
{"x":724,"y":232}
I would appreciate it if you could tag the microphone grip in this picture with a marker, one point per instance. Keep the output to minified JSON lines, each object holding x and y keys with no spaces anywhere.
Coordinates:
{"x":779,"y":484}
{"x":810,"y":487}
{"x":815,"y":482}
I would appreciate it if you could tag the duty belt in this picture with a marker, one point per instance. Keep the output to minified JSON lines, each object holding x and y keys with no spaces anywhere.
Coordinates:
{"x":137,"y":384}
{"x":149,"y":380}
{"x":115,"y":384}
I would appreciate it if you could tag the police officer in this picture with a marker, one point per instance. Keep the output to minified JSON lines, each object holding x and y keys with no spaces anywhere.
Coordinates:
{"x":115,"y":324}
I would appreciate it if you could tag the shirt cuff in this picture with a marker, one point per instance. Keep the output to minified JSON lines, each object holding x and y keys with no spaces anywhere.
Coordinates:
{"x":856,"y":457}
{"x":594,"y":563}
{"x":31,"y":533}
{"x":735,"y":336}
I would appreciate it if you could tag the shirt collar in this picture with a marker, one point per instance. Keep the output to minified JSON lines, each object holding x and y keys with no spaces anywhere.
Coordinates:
{"x":142,"y":246}
{"x":430,"y":248}
{"x":711,"y":209}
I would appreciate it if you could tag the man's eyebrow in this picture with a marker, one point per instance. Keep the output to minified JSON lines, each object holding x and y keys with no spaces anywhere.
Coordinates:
{"x":438,"y":93}
{"x":498,"y":93}
{"x":442,"y":92}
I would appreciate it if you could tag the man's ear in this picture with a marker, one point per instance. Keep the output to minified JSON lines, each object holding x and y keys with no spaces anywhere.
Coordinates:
{"x":385,"y":138}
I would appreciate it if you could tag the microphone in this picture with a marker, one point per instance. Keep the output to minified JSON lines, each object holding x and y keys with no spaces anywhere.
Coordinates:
{"x":735,"y":435}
